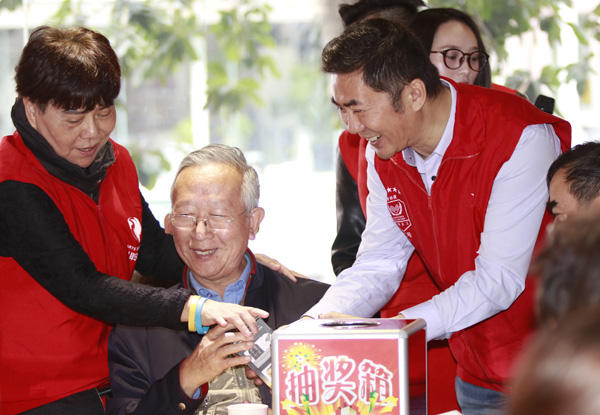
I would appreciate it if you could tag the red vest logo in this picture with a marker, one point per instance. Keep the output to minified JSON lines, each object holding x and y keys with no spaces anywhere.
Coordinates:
{"x":397,"y":209}
{"x":136,"y":228}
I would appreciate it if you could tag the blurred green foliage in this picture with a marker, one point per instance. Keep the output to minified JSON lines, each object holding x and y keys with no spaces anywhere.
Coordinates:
{"x":242,"y":34}
{"x":154,"y":39}
{"x":10,"y":4}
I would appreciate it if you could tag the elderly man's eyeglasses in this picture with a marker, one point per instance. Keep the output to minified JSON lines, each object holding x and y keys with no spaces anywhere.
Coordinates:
{"x":454,"y":59}
{"x":211,"y":222}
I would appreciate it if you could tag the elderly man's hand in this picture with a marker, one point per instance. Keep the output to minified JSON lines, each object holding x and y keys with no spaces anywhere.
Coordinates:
{"x":277,"y":266}
{"x":216,"y":353}
{"x":223,"y":314}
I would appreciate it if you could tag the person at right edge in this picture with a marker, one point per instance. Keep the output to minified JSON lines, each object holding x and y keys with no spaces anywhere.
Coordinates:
{"x":459,"y":179}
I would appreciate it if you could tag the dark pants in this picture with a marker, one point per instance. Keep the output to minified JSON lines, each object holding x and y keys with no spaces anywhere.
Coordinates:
{"x":87,"y":402}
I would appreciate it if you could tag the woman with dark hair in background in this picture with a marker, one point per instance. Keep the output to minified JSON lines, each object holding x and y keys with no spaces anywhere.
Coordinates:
{"x":455,"y":45}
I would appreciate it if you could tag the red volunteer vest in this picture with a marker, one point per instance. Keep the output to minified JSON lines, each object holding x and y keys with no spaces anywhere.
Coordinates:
{"x":445,"y":227}
{"x":503,"y":88}
{"x":416,"y":287}
{"x":49,"y":351}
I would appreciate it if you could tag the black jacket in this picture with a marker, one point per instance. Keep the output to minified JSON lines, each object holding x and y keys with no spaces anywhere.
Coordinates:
{"x":351,"y":220}
{"x":144,"y":362}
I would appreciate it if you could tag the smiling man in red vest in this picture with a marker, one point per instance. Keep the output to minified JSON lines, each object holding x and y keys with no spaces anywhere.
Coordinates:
{"x":457,"y":174}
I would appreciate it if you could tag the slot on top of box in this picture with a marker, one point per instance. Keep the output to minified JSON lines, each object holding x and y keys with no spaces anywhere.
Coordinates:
{"x":350,"y":323}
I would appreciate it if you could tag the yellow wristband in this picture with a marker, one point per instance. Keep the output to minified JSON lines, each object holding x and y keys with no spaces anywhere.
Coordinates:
{"x":192,"y":314}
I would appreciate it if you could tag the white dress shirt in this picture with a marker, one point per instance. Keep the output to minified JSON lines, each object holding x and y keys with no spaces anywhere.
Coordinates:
{"x":512,"y":223}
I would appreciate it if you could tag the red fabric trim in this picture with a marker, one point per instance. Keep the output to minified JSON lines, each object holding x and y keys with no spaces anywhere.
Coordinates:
{"x":503,"y":88}
{"x":352,"y":149}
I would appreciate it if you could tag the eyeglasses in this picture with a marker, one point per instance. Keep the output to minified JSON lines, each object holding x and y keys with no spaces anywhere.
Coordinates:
{"x":454,"y":58}
{"x":211,"y":222}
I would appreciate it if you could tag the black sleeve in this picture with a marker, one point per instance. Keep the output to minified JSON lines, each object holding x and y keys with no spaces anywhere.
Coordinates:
{"x":165,"y":396}
{"x":133,"y":395}
{"x":144,"y":373}
{"x":350,"y":219}
{"x":285,"y":300}
{"x":157,"y":257}
{"x":33,"y":232}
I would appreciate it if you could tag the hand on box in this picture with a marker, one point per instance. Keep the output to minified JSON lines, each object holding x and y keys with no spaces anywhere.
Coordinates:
{"x":336,"y":315}
{"x":214,"y":312}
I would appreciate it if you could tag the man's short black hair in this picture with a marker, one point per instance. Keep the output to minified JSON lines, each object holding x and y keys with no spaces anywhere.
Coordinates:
{"x":388,"y":56}
{"x":581,"y":165}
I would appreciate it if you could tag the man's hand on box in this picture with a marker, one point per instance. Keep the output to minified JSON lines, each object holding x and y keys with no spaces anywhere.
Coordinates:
{"x":336,"y":315}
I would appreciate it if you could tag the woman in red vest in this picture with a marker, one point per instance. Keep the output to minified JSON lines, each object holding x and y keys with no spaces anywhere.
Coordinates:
{"x":73,"y":228}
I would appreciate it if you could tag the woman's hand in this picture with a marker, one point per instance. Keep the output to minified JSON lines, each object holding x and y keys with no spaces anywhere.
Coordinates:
{"x":242,"y":318}
{"x":216,"y":352}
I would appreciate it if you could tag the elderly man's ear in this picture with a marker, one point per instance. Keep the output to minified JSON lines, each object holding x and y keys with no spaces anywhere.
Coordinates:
{"x":168,"y":224}
{"x":256,"y":216}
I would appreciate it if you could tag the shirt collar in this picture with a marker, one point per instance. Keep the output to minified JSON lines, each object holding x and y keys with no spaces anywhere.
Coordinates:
{"x":410,"y":155}
{"x":234,"y":293}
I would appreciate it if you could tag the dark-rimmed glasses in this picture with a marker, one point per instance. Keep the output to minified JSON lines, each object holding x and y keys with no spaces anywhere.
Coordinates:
{"x":454,"y":58}
{"x":211,"y":222}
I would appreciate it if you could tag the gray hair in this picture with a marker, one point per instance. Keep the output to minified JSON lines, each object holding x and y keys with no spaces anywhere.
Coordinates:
{"x":230,"y":156}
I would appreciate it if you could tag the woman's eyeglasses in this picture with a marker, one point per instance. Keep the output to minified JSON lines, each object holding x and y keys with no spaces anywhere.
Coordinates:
{"x":454,"y":58}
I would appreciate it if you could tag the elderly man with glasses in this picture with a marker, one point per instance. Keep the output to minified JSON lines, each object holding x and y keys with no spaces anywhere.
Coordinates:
{"x":214,"y":214}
